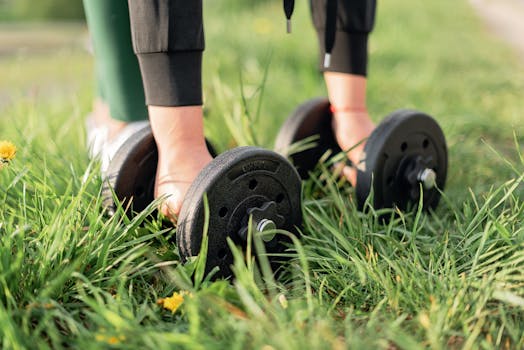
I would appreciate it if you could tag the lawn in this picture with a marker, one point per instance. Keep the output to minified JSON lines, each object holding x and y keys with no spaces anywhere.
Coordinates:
{"x":70,"y":277}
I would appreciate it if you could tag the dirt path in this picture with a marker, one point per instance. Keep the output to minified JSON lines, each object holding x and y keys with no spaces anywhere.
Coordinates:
{"x":505,"y":18}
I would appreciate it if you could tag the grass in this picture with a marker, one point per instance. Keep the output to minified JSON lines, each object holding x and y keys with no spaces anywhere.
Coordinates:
{"x":71,"y":277}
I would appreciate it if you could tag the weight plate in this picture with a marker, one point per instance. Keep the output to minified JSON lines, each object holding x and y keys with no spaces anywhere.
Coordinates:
{"x":131,"y":173}
{"x":238,"y":183}
{"x":405,"y":144}
{"x":312,"y":118}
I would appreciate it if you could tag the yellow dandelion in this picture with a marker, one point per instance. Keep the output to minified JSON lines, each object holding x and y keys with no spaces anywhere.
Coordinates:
{"x":113,"y":340}
{"x":7,"y":151}
{"x":172,"y":303}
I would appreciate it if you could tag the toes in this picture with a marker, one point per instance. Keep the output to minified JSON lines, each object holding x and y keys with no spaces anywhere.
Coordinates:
{"x":346,"y":170}
{"x":170,"y":208}
{"x":350,"y":173}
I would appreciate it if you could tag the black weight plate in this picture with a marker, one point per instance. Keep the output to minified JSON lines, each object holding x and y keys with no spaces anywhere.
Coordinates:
{"x":312,"y":118}
{"x":236,"y":182}
{"x":402,"y":137}
{"x":131,"y":173}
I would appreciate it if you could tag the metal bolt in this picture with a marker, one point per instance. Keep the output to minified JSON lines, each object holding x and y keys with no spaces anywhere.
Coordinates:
{"x":264,"y":226}
{"x":428,"y":178}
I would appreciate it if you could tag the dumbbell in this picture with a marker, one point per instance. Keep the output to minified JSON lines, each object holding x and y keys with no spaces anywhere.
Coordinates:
{"x":404,"y":158}
{"x":239,"y":184}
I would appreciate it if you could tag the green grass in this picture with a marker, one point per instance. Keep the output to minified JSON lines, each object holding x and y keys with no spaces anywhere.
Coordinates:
{"x":71,"y":277}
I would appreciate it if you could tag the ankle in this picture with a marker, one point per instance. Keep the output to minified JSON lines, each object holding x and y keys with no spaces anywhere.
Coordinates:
{"x":346,"y":90}
{"x":356,"y":119}
{"x":351,"y":129}
{"x":177,"y":129}
{"x":337,"y":110}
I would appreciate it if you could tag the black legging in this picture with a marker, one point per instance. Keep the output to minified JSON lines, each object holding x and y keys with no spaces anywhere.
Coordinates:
{"x":168,"y":38}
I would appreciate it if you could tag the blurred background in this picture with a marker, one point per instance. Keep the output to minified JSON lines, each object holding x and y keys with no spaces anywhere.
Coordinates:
{"x":451,"y":64}
{"x":17,"y":10}
{"x":68,"y":276}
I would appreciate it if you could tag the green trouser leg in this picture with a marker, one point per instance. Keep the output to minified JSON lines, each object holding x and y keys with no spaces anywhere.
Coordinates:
{"x":118,"y":74}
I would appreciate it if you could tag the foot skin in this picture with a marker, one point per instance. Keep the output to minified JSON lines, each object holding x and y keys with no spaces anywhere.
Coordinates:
{"x":351,"y":122}
{"x":351,"y":129}
{"x":175,"y":173}
{"x":102,"y":117}
{"x":182,"y":153}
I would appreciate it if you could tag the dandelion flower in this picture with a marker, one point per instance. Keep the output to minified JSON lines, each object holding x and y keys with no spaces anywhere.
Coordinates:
{"x":172,"y":303}
{"x":7,"y":151}
{"x":111,"y":340}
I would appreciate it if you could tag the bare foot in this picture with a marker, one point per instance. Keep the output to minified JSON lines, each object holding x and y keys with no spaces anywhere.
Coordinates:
{"x":175,"y":173}
{"x":351,"y":122}
{"x":182,"y":153}
{"x":351,"y":129}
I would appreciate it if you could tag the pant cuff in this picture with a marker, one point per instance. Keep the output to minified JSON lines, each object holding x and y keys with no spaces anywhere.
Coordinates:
{"x":172,"y":79}
{"x":349,"y":55}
